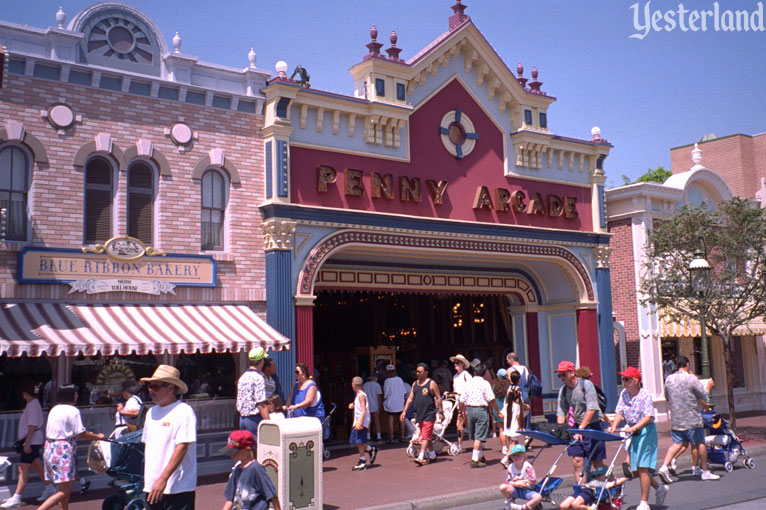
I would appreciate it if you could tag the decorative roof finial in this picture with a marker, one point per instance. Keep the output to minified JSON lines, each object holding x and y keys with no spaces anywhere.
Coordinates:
{"x":458,"y":17}
{"x":595,"y":133}
{"x":393,"y":38}
{"x":697,"y":155}
{"x":534,"y":72}
{"x":520,"y":69}
{"x":251,"y":56}
{"x":176,"y":43}
{"x":534,"y":84}
{"x":374,"y":46}
{"x":60,"y":17}
{"x":281,"y":68}
{"x":522,"y":81}
{"x":393,"y":51}
{"x":374,"y":33}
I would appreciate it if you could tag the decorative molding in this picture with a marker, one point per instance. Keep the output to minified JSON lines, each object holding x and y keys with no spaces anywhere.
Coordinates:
{"x":602,"y":254}
{"x":14,"y":131}
{"x":278,"y":234}
{"x":145,"y":148}
{"x":216,"y":158}
{"x":61,"y":116}
{"x":322,"y":251}
{"x":102,"y":143}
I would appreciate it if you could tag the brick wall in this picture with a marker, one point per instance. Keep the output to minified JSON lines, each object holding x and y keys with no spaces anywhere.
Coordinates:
{"x":624,"y":304}
{"x":56,"y":197}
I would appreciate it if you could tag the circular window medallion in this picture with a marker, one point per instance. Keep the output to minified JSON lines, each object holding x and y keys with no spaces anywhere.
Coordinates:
{"x":121,"y":39}
{"x":181,"y":133}
{"x":457,"y":133}
{"x":61,"y":116}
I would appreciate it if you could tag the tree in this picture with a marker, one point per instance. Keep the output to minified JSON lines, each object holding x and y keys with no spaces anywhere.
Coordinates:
{"x":734,"y":238}
{"x":659,"y":175}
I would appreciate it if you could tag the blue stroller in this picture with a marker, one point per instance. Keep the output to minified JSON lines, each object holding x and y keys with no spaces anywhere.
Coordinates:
{"x":122,"y":458}
{"x":723,"y":446}
{"x":549,"y":483}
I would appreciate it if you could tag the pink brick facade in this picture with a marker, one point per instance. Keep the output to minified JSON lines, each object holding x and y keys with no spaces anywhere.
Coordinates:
{"x":56,"y":193}
{"x":624,"y":287}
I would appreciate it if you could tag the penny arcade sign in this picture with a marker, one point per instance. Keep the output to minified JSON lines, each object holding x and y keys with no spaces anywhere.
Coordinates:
{"x":383,"y":186}
{"x":122,"y":264}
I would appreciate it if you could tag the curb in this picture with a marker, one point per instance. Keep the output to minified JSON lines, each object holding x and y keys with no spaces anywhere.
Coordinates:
{"x":484,"y":494}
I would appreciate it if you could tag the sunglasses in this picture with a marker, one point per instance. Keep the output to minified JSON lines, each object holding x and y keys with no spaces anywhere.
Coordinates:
{"x":298,"y":372}
{"x":562,"y":375}
{"x":157,"y":386}
{"x":627,"y":379}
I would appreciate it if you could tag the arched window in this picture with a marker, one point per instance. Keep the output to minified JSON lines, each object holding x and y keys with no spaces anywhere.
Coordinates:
{"x":141,"y":202}
{"x":14,"y":175}
{"x":99,"y":190}
{"x":213,"y":209}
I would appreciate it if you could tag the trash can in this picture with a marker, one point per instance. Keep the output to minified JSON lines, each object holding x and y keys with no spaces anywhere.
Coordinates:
{"x":291,"y":452}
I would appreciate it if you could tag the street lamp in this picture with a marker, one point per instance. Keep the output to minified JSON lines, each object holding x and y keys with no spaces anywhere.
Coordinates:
{"x":699,"y":275}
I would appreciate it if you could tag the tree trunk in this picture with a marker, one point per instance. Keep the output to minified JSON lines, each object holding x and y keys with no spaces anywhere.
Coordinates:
{"x":729,"y":381}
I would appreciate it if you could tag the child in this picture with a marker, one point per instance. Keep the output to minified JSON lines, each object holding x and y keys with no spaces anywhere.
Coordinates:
{"x":520,"y":481}
{"x":500,"y":389}
{"x":361,"y":427}
{"x":514,"y":414}
{"x":585,"y":495}
{"x":249,"y":485}
{"x":276,"y":411}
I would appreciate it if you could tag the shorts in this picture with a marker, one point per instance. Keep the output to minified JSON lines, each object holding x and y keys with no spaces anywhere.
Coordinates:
{"x":28,"y":458}
{"x":519,"y":493}
{"x":179,"y":501}
{"x":478,"y":423}
{"x":589,"y":448}
{"x":395,"y":414}
{"x":693,"y":436}
{"x":359,"y":436}
{"x":250,"y":423}
{"x":60,"y":460}
{"x":588,"y":495}
{"x":426,"y":430}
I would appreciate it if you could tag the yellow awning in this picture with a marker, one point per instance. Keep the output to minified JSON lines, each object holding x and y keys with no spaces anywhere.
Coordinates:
{"x":691,"y":328}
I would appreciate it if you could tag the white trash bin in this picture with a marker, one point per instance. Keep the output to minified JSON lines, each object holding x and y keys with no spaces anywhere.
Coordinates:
{"x":291,"y":452}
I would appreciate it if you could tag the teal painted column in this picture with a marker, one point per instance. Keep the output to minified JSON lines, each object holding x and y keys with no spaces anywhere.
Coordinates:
{"x":606,"y":336}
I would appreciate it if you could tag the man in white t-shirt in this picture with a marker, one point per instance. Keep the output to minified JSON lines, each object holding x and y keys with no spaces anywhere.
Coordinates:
{"x":394,"y":395}
{"x":374,"y":399}
{"x":170,"y":436}
{"x":459,"y":383}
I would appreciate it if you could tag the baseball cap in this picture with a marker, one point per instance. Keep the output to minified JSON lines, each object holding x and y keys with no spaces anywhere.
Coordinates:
{"x":502,"y":373}
{"x":632,"y":372}
{"x":518,"y":448}
{"x":390,"y":366}
{"x":565,"y":366}
{"x":257,"y":354}
{"x":238,"y":440}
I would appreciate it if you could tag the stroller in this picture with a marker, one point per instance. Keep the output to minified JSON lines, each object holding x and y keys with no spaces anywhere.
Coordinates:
{"x":325,"y":427}
{"x":449,"y":405}
{"x":723,"y":445}
{"x":122,"y":458}
{"x":549,"y":483}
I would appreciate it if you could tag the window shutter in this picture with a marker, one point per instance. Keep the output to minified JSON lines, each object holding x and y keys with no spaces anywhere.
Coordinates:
{"x":141,"y":202}
{"x":98,"y":201}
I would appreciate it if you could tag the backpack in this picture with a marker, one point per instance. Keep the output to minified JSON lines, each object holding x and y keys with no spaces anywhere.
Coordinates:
{"x":601,"y":398}
{"x":534,"y":386}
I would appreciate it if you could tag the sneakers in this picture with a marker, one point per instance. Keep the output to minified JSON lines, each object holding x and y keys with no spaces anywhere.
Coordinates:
{"x":515,"y":506}
{"x":373,"y":454}
{"x":659,"y":494}
{"x":48,"y":491}
{"x":431,"y":454}
{"x":12,"y":502}
{"x":707,"y":475}
{"x":359,"y":465}
{"x":84,"y":485}
{"x":643,"y":506}
{"x":478,"y":464}
{"x":696,"y":471}
{"x":664,"y":475}
{"x":505,"y":461}
{"x":673,"y":467}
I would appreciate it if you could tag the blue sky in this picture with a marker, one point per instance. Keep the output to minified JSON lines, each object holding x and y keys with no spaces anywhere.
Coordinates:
{"x":647,"y":95}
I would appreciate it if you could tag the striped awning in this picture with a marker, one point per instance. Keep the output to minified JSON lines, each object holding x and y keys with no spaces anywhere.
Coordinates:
{"x":69,"y":329}
{"x":691,"y":328}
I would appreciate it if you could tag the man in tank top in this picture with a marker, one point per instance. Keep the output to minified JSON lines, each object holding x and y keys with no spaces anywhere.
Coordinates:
{"x":427,"y":403}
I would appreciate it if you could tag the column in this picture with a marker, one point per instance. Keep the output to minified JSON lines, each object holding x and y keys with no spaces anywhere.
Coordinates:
{"x":280,"y":311}
{"x":606,"y":337}
{"x":587,"y":342}
{"x":533,"y":356}
{"x":304,"y":338}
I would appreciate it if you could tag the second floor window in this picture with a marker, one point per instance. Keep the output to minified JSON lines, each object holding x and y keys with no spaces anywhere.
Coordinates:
{"x":213,"y":210}
{"x":14,"y":172}
{"x":99,"y":190}
{"x":140,"y":209}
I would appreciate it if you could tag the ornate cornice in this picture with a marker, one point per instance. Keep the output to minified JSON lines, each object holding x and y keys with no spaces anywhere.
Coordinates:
{"x":278,"y":234}
{"x":602,"y":254}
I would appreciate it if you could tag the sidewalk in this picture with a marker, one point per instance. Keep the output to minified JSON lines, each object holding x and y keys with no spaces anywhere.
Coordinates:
{"x":395,"y":482}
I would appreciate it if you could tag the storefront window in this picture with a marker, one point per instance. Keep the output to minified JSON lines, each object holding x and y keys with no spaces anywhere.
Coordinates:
{"x":100,"y":377}
{"x":14,"y":371}
{"x":669,"y":355}
{"x":208,"y":375}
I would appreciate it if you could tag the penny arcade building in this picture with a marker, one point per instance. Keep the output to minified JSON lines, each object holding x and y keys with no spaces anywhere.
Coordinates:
{"x":434,"y":211}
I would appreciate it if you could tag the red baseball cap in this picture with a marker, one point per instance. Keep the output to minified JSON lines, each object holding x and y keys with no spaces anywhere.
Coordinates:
{"x":632,"y":372}
{"x":565,"y":366}
{"x":238,"y":440}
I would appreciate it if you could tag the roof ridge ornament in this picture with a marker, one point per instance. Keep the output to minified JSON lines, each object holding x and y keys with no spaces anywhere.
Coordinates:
{"x":458,"y":17}
{"x":697,"y":157}
{"x":60,"y":18}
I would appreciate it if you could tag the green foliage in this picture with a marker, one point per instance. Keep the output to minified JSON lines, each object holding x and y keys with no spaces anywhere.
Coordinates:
{"x":734,"y":240}
{"x":659,"y":175}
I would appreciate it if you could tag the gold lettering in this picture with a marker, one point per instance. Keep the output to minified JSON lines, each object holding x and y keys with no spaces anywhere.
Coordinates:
{"x":384,"y":184}
{"x":517,"y":200}
{"x":409,"y":189}
{"x":502,"y":199}
{"x":353,"y":180}
{"x":536,"y":205}
{"x":482,"y":198}
{"x":555,"y":207}
{"x":325,"y":175}
{"x":437,"y":190}
{"x":570,"y":207}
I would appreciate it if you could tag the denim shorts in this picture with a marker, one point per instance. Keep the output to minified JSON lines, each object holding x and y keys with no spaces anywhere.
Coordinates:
{"x":588,"y":446}
{"x":519,"y":493}
{"x":693,"y":436}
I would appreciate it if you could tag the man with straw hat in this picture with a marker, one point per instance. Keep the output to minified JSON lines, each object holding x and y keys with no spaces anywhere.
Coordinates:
{"x":251,"y":393}
{"x":170,"y":436}
{"x":459,"y":383}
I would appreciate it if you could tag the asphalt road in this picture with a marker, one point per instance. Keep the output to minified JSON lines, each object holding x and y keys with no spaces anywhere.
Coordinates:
{"x":742,"y":489}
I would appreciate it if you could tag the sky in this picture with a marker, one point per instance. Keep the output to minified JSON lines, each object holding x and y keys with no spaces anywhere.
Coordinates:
{"x":662,"y":88}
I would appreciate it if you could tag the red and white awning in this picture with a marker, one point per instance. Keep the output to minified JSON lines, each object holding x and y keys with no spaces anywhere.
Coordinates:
{"x":56,"y":328}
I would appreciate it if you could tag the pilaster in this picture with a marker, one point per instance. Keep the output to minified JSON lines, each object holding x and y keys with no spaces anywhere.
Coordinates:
{"x":588,"y":342}
{"x":606,"y":335}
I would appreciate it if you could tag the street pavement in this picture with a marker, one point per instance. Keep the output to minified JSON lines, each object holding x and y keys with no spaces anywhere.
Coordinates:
{"x":395,"y":482}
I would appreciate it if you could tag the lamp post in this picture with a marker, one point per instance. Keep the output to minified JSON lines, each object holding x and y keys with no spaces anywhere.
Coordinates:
{"x":699,"y":275}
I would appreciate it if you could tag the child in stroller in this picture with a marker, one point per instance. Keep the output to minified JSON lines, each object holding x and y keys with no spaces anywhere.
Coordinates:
{"x":584,"y":496}
{"x":121,"y":457}
{"x":724,"y":447}
{"x":449,"y":405}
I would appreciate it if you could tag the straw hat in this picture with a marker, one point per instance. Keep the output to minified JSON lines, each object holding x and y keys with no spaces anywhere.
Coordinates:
{"x":462,"y":359}
{"x":170,"y":375}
